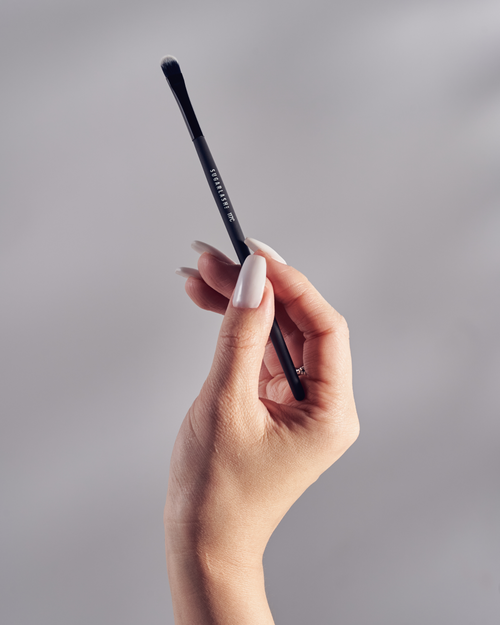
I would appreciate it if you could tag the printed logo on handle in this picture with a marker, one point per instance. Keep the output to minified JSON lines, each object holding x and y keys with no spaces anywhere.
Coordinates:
{"x":222,"y":194}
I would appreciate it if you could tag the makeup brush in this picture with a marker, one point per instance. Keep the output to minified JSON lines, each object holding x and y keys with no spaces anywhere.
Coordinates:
{"x":175,"y":79}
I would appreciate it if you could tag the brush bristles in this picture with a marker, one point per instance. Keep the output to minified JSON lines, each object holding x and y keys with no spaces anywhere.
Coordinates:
{"x":175,"y":79}
{"x":170,"y":66}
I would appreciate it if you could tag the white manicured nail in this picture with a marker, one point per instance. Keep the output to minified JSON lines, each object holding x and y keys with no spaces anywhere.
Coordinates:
{"x":187,"y":272}
{"x":251,"y":282}
{"x":200,"y":247}
{"x":255,"y":245}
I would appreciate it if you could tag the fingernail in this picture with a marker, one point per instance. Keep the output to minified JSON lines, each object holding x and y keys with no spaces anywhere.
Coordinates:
{"x":200,"y":247}
{"x":251,"y":282}
{"x":187,"y":272}
{"x":255,"y":245}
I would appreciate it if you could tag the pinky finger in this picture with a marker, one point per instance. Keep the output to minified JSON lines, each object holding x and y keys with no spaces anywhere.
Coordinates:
{"x":204,"y":296}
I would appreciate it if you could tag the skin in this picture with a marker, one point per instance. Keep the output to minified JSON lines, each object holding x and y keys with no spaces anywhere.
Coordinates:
{"x":247,"y":449}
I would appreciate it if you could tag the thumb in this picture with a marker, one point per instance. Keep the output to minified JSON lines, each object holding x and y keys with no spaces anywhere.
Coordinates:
{"x":243,"y":335}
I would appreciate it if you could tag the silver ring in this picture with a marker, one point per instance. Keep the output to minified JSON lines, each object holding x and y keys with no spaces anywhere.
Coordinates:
{"x":301,"y":371}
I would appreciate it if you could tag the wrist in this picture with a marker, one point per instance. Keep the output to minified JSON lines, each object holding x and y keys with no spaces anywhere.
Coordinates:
{"x":210,"y":585}
{"x":209,"y":551}
{"x":220,"y":528}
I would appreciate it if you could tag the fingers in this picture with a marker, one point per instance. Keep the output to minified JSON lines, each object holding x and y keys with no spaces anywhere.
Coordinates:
{"x":326,"y":351}
{"x":205,"y":297}
{"x":243,"y":335}
{"x":222,"y":279}
{"x":200,"y":247}
{"x":210,"y":293}
{"x":220,"y":276}
{"x":310,"y":312}
{"x":315,"y":332}
{"x":213,"y":287}
{"x":307,"y":309}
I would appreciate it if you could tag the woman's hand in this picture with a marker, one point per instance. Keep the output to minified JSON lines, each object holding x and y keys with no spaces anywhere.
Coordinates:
{"x":247,"y":449}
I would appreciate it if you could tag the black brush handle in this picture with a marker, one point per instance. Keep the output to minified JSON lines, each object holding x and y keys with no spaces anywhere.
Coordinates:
{"x":233,"y":228}
{"x":221,"y":198}
{"x":286,"y":362}
{"x":172,"y":71}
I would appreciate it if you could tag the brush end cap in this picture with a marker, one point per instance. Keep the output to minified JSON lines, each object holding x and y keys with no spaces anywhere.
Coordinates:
{"x":170,"y":66}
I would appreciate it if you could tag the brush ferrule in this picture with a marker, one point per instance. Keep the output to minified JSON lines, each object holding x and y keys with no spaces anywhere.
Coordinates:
{"x":179,"y":90}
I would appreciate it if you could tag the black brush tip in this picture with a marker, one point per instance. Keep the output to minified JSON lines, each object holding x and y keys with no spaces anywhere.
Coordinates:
{"x":175,"y":79}
{"x":170,"y":66}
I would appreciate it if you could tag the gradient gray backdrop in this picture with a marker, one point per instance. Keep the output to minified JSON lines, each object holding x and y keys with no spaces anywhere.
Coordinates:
{"x":361,"y":140}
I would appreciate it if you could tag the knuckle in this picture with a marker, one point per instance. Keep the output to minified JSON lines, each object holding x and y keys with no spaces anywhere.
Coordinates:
{"x":242,"y":338}
{"x":342,"y":423}
{"x":348,"y":430}
{"x":352,"y":432}
{"x":338,"y":324}
{"x":342,"y":325}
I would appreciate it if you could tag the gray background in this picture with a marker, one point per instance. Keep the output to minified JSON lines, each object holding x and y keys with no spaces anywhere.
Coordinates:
{"x":360,"y":139}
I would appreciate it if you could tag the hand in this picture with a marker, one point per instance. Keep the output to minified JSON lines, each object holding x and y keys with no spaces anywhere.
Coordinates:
{"x":247,"y":449}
